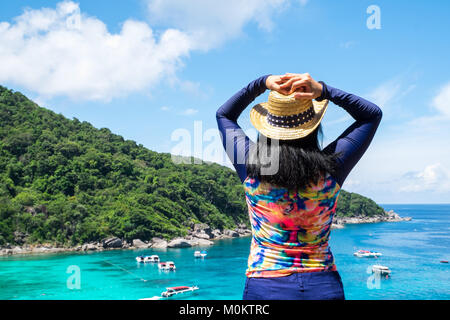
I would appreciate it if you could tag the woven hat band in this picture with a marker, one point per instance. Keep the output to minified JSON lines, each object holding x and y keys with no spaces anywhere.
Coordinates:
{"x":291,"y":121}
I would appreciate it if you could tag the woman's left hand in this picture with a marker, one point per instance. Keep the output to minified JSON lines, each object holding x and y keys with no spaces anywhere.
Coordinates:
{"x":274,"y":83}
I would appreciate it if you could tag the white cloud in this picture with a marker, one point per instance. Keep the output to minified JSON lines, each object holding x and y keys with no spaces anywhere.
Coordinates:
{"x":437,"y":122}
{"x":433,"y":178}
{"x":442,"y":101}
{"x":390,"y":92}
{"x":347,"y":44}
{"x":384,"y":94}
{"x":189,"y":112}
{"x":211,"y":23}
{"x":63,"y":52}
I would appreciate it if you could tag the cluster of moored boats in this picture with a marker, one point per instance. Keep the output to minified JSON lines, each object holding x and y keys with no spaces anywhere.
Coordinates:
{"x":377,"y":269}
{"x":170,"y":266}
{"x":165,"y":266}
{"x":148,"y":259}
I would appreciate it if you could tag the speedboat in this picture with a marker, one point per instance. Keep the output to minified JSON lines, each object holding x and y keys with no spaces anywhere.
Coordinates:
{"x":140,"y":259}
{"x":167,"y":266}
{"x":177,"y":290}
{"x":153,"y":258}
{"x":382,"y":270}
{"x":367,"y":254}
{"x":200,"y":254}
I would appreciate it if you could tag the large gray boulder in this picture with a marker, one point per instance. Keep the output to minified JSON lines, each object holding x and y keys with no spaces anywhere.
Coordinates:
{"x":89,"y":247}
{"x":216,"y":233}
{"x":112,"y":243}
{"x":158,"y":243}
{"x":202,"y":228}
{"x":6,"y":252}
{"x":201,"y":235}
{"x":201,"y":242}
{"x":179,"y":243}
{"x":137,"y":243}
{"x":244,"y":232}
{"x":17,"y":250}
{"x":230,"y":233}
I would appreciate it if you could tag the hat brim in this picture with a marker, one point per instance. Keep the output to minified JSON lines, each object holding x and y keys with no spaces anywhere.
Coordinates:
{"x":258,"y":117}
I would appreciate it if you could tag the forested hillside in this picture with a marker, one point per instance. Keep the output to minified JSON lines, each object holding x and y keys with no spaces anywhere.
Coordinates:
{"x":65,"y":181}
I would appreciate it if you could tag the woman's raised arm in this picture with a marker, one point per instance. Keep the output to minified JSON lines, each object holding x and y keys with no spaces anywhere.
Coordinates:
{"x":234,"y":140}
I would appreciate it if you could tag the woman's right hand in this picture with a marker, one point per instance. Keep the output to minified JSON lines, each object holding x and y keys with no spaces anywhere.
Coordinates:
{"x":304,"y":86}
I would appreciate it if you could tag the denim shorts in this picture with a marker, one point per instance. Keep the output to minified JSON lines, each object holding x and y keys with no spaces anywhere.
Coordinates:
{"x":297,"y":286}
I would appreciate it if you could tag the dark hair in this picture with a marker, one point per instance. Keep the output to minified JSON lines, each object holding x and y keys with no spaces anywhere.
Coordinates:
{"x":301,"y":162}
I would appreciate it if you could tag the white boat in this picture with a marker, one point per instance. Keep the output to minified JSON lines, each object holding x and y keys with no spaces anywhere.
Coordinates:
{"x":367,"y":254}
{"x":153,"y":258}
{"x":200,"y":254}
{"x":171,"y":291}
{"x":140,"y":259}
{"x":167,"y":266}
{"x":382,"y":270}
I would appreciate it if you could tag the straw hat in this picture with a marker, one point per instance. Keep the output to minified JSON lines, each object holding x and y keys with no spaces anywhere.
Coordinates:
{"x":285,"y":118}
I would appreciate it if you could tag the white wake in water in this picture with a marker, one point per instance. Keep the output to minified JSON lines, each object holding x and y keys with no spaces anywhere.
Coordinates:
{"x":152,"y":298}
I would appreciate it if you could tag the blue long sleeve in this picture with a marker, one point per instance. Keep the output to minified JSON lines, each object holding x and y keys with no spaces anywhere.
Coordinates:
{"x":234,"y":140}
{"x":350,"y":145}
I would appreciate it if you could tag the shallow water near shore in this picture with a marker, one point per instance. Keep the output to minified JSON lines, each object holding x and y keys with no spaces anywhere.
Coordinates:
{"x":412,"y":250}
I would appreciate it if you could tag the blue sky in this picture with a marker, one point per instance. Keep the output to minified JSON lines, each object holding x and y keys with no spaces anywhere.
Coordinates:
{"x":146,"y":68}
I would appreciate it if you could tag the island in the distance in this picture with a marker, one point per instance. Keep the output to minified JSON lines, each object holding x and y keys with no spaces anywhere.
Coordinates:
{"x":67,"y":186}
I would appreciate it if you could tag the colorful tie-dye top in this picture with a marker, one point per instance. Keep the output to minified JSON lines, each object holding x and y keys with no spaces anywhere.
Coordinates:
{"x":290,"y":228}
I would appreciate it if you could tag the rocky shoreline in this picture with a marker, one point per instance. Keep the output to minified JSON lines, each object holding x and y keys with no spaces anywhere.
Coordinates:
{"x":201,"y":235}
{"x":390,"y":216}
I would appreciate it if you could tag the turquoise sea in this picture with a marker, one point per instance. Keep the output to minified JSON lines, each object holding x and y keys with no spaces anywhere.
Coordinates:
{"x":412,"y":250}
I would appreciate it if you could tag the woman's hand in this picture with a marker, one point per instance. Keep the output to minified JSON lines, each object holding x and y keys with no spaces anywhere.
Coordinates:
{"x":274,"y":82}
{"x":304,"y":86}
